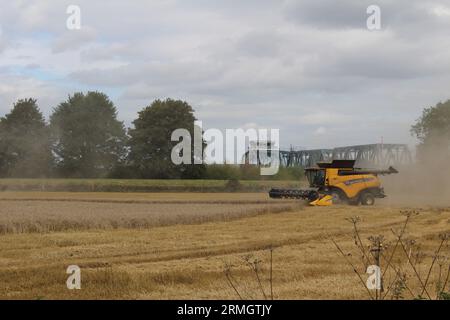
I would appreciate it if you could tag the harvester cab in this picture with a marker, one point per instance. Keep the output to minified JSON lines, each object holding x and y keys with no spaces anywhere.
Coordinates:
{"x":338,"y":182}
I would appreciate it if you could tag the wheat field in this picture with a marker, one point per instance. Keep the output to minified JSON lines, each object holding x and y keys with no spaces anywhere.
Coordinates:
{"x":182,"y":245}
{"x":50,"y":215}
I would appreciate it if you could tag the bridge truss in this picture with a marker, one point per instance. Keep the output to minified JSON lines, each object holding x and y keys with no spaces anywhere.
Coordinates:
{"x":366,"y":156}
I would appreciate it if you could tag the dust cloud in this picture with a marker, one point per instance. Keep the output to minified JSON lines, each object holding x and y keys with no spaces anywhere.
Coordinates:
{"x":424,"y":183}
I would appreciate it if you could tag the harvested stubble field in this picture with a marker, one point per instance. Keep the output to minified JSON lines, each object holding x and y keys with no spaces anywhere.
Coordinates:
{"x":179,"y":245}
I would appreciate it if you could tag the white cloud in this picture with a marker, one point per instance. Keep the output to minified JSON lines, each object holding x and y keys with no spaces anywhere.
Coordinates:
{"x":319,"y":118}
{"x":309,"y":68}
{"x":73,"y":39}
{"x":320,"y":131}
{"x":441,"y":11}
{"x":13,"y":88}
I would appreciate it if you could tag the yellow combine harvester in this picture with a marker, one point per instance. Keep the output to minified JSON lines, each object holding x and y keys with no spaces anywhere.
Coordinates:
{"x":338,"y":182}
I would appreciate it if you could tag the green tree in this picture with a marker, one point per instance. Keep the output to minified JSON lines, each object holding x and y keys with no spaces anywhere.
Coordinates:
{"x":151,"y":145}
{"x":24,"y":142}
{"x":432,"y":130}
{"x":88,"y":140}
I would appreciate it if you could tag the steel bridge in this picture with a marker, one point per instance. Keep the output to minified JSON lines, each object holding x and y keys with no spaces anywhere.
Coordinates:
{"x":366,"y":156}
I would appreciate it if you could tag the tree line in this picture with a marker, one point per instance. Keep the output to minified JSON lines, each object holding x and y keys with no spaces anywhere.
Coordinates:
{"x":84,"y":139}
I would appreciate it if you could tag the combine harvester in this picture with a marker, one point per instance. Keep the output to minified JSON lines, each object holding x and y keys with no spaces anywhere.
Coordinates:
{"x":338,"y":182}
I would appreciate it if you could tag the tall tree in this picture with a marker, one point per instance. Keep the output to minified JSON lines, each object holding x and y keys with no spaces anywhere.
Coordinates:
{"x":433,"y":131}
{"x":24,"y":142}
{"x":151,"y":145}
{"x":88,"y":140}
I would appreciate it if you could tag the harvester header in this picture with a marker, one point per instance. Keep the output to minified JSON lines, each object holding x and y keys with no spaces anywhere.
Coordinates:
{"x":338,"y":182}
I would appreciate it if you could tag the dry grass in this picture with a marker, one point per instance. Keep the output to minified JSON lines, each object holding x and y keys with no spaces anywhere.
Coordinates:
{"x":49,"y":212}
{"x":187,"y":261}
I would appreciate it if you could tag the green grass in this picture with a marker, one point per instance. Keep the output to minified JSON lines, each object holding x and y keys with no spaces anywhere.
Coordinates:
{"x":138,"y":185}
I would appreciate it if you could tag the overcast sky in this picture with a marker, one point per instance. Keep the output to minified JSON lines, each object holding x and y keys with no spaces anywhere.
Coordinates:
{"x":310,"y":68}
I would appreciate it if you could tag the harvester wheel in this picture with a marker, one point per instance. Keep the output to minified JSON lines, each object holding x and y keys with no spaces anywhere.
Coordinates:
{"x":337,"y":196}
{"x":367,"y":199}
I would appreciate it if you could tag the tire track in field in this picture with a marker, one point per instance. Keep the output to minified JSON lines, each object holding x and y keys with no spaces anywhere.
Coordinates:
{"x":243,"y":247}
{"x":240,"y":247}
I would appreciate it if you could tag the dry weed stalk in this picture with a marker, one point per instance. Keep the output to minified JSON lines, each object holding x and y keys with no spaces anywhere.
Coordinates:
{"x":231,"y":281}
{"x":395,"y":277}
{"x":254,"y":265}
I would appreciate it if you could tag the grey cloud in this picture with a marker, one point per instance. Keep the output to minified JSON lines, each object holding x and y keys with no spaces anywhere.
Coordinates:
{"x":32,"y":66}
{"x":263,"y":43}
{"x":120,"y":51}
{"x":73,"y":39}
{"x":383,"y":60}
{"x":157,"y":73}
{"x":406,"y":17}
{"x":328,"y":13}
{"x":305,"y":67}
